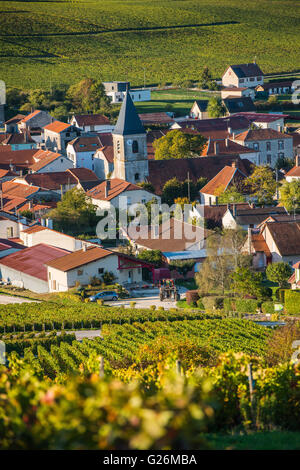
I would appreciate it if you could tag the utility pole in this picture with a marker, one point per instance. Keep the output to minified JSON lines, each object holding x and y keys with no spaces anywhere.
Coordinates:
{"x":144,"y":77}
{"x":188,"y":182}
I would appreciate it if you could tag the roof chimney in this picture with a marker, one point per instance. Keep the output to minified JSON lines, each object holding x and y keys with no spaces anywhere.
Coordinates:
{"x":107,"y":188}
{"x":226,"y":142}
{"x":229,"y":130}
{"x":233,"y":164}
{"x":216,"y":146}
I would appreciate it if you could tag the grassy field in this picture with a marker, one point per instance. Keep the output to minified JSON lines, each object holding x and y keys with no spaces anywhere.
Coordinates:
{"x":63,"y":41}
{"x":275,"y":440}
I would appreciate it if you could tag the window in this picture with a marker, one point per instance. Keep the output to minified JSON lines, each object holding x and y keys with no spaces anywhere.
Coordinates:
{"x":100,"y":270}
{"x":135,"y":146}
{"x":10,"y":232}
{"x":251,"y":79}
{"x":280,"y":145}
{"x":61,"y":160}
{"x":281,"y":155}
{"x":258,"y":78}
{"x":139,"y":97}
{"x":268,"y":146}
{"x":143,"y":201}
{"x":92,"y":128}
{"x":255,"y":146}
{"x":118,"y":146}
{"x":79,"y":272}
{"x":269,"y":159}
{"x":137,"y":176}
{"x":241,"y":80}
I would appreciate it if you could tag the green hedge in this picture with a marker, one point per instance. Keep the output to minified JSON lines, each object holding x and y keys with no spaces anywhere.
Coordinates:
{"x":292,"y":302}
{"x":212,"y":301}
{"x":240,"y":305}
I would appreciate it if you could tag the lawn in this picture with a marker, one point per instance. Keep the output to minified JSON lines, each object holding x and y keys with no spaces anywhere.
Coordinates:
{"x":275,"y":440}
{"x":63,"y":41}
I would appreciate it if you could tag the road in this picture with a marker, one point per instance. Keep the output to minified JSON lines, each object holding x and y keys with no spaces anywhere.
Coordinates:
{"x":9,"y":299}
{"x":147,"y":300}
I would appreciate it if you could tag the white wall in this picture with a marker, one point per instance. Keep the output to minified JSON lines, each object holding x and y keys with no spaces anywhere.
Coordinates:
{"x":60,"y":164}
{"x":17,"y":228}
{"x":51,"y":237}
{"x":28,"y":282}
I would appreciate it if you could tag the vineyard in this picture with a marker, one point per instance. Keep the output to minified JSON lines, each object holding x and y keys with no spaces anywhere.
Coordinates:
{"x":63,"y":41}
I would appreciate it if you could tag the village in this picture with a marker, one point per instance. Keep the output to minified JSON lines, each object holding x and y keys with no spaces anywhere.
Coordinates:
{"x":238,"y":172}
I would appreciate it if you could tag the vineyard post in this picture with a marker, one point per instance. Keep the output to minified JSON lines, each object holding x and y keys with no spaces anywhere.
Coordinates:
{"x":101,"y":368}
{"x":251,"y":390}
{"x":178,"y":367}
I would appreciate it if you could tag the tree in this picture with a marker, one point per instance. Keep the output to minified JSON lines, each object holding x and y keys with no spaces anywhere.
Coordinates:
{"x":201,"y":182}
{"x":75,"y":211}
{"x":262,"y":184}
{"x":279,"y":272}
{"x":231,"y":195}
{"x":147,"y":186}
{"x":178,"y":144}
{"x":205,"y":78}
{"x":171,"y":190}
{"x":182,"y":266}
{"x":246,"y":281}
{"x":88,"y":95}
{"x":290,"y":195}
{"x":284,"y":163}
{"x":215,"y":107}
{"x":151,"y":256}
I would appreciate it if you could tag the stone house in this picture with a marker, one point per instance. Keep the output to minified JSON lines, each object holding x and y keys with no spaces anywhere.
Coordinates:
{"x":58,"y":134}
{"x":243,"y":75}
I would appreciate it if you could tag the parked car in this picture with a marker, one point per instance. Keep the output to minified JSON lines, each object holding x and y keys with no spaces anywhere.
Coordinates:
{"x":105,"y":295}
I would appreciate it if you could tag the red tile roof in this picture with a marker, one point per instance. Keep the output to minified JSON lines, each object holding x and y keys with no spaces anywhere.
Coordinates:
{"x":259,"y":244}
{"x":10,"y":188}
{"x":83,"y":174}
{"x":117,"y":186}
{"x":19,"y":158}
{"x":86,"y":143}
{"x":220,"y":182}
{"x":34,"y":229}
{"x":79,"y":258}
{"x":31,"y":115}
{"x":260,"y":117}
{"x":91,"y":120}
{"x":295,"y":171}
{"x":33,"y":260}
{"x":261,"y":134}
{"x":15,"y":119}
{"x":57,"y":126}
{"x":43,"y":158}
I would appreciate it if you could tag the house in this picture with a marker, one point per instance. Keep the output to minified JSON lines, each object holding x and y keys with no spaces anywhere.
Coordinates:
{"x":235,"y":105}
{"x":264,"y":120}
{"x":156,"y":119}
{"x":296,"y":143}
{"x":250,"y":217}
{"x":119,"y":194}
{"x":276,"y":88}
{"x":92,"y":122}
{"x":62,"y":181}
{"x":243,"y":75}
{"x":11,"y":225}
{"x":294,"y":280}
{"x":218,"y":128}
{"x":226,"y":146}
{"x":27,"y":268}
{"x":20,"y":141}
{"x":33,"y":160}
{"x":270,"y":144}
{"x":82,"y":150}
{"x":79,"y":267}
{"x":274,"y":242}
{"x":117,"y":91}
{"x":17,"y":193}
{"x":37,"y":234}
{"x":237,"y":92}
{"x":35,"y":121}
{"x":160,"y":171}
{"x":7,"y":175}
{"x":228,"y":176}
{"x":58,"y":134}
{"x":199,"y":110}
{"x":294,"y":173}
{"x":11,"y":125}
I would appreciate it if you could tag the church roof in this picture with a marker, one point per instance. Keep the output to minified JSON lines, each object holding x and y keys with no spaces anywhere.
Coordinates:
{"x":128,"y":121}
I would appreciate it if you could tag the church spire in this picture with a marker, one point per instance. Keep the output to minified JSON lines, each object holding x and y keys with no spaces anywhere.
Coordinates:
{"x":128,"y":122}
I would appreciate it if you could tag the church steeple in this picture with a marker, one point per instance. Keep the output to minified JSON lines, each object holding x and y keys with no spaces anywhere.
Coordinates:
{"x":130,"y":144}
{"x":128,"y":121}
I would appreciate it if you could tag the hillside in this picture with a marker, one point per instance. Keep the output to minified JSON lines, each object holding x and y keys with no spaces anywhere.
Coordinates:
{"x":61,"y":41}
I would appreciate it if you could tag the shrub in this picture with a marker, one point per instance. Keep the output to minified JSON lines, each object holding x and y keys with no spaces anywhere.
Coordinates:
{"x":246,"y":305}
{"x":100,"y":302}
{"x":200,"y":304}
{"x":279,"y":294}
{"x":192,"y":296}
{"x":132,"y":304}
{"x":292,"y":302}
{"x":268,"y":307}
{"x":212,"y":302}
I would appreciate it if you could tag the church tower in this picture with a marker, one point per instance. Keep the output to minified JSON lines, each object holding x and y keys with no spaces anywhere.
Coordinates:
{"x":130,"y":145}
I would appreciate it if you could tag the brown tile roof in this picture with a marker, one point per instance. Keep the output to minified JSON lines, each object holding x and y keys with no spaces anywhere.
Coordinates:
{"x":20,"y":138}
{"x":117,"y":186}
{"x":261,"y":134}
{"x":91,"y":120}
{"x":260,"y":117}
{"x":50,"y":180}
{"x":10,"y":203}
{"x":286,"y":236}
{"x":259,"y":244}
{"x":43,"y":158}
{"x":257,"y":215}
{"x":160,"y":171}
{"x":269,"y":85}
{"x":4,"y":173}
{"x":213,"y":214}
{"x":34,"y":229}
{"x":79,"y":258}
{"x":86,"y":143}
{"x":166,"y":240}
{"x":296,"y":138}
{"x":237,"y":122}
{"x":15,"y":119}
{"x":247,"y":70}
{"x":234,"y":88}
{"x":83,"y":174}
{"x":57,"y":126}
{"x":33,"y":260}
{"x":295,"y":171}
{"x":12,"y":189}
{"x":19,"y":158}
{"x":220,"y":182}
{"x":233,"y":104}
{"x":155,"y":118}
{"x":225,"y":146}
{"x":31,"y":115}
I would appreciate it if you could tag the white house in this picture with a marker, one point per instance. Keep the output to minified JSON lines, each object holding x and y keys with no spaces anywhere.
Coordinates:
{"x":40,"y":234}
{"x":228,"y":176}
{"x":11,"y":225}
{"x":243,"y":75}
{"x":92,"y":122}
{"x":294,"y":173}
{"x":79,"y":267}
{"x":237,"y":92}
{"x":117,"y":90}
{"x":199,"y":110}
{"x":119,"y":194}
